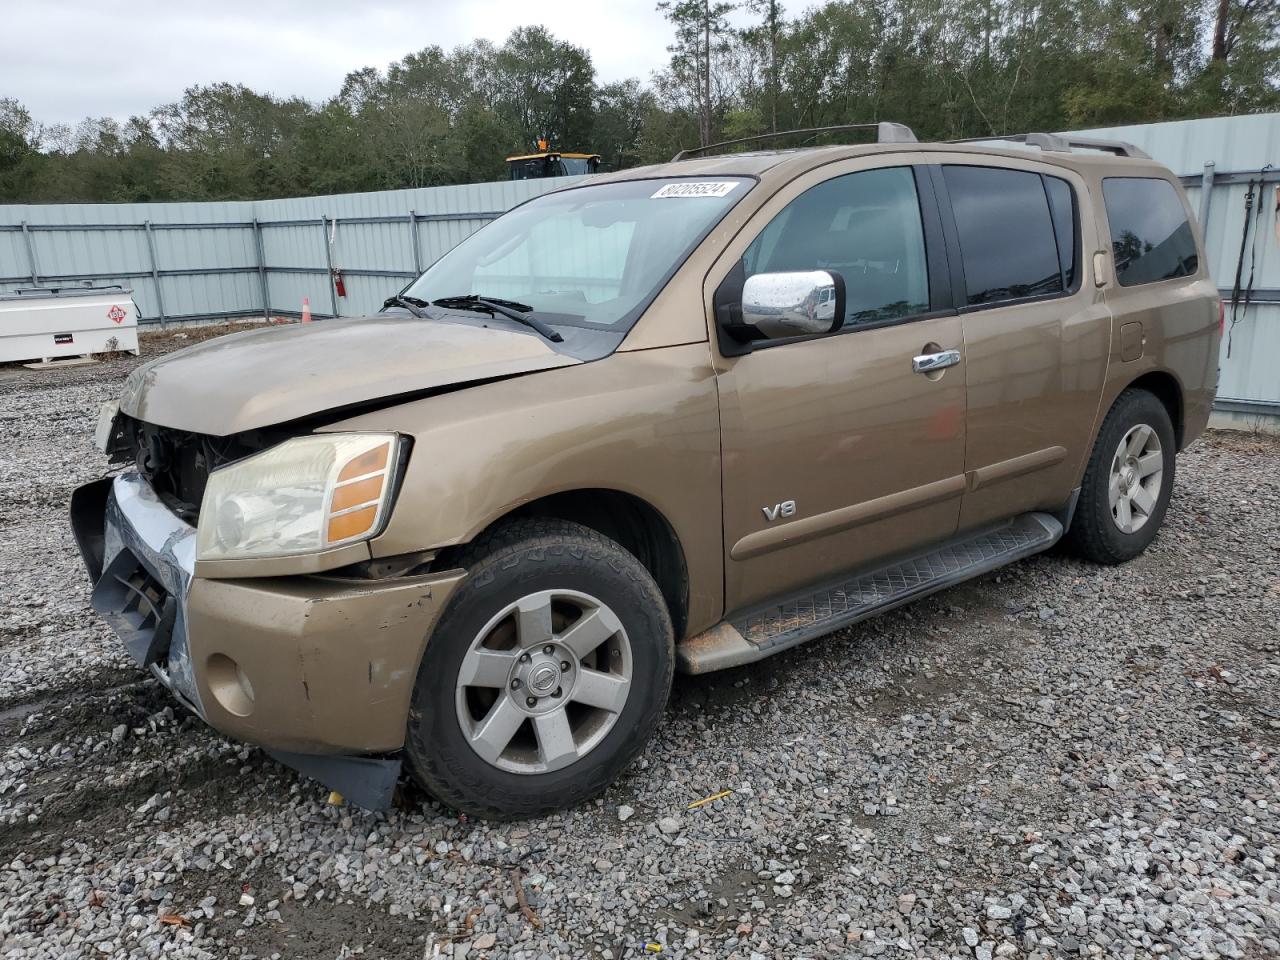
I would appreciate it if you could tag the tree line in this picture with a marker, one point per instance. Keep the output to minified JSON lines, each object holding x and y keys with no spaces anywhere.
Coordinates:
{"x":947,"y":68}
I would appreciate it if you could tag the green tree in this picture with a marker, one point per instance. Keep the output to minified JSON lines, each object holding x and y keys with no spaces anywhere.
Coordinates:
{"x":547,"y":87}
{"x":702,"y":32}
{"x":18,"y":153}
{"x":622,"y":109}
{"x":767,"y":40}
{"x":948,"y":68}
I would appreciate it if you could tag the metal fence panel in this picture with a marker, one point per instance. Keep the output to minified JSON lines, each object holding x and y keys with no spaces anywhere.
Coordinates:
{"x":110,"y":251}
{"x":1222,"y":235}
{"x":1184,"y":146}
{"x":1249,"y":374}
{"x":13,"y":256}
{"x":186,"y":260}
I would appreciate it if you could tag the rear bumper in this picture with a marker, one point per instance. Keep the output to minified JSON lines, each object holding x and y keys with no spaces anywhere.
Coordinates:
{"x":319,"y":670}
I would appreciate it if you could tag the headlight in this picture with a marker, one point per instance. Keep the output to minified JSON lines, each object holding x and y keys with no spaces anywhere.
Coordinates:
{"x":303,"y":496}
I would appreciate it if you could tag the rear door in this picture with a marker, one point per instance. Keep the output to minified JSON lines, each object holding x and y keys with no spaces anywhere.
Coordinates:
{"x":835,"y":452}
{"x":1036,"y":330}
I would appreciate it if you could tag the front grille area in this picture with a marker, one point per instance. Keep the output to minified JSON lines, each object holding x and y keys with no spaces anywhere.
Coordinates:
{"x":177,"y":463}
{"x":137,"y":606}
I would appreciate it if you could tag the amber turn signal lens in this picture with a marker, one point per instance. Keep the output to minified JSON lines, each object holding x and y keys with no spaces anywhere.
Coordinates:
{"x":370,"y":461}
{"x":358,"y":492}
{"x":352,"y":524}
{"x":351,"y":495}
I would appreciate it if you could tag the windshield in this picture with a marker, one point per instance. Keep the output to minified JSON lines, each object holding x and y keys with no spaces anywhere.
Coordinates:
{"x":532,"y":169}
{"x":592,"y":256}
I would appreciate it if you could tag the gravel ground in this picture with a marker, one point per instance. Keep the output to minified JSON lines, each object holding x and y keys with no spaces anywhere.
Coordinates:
{"x":1056,"y":760}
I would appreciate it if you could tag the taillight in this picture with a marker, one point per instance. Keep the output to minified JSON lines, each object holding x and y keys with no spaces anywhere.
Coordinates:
{"x":1222,"y":316}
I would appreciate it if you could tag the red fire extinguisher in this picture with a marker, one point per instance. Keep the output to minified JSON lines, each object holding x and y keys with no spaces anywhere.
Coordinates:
{"x":338,"y":285}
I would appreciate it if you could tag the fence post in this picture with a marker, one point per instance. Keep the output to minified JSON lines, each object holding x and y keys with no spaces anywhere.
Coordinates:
{"x":328,"y":261}
{"x":262,"y":270}
{"x":155,"y":270}
{"x":1206,"y":194}
{"x":31,"y":254}
{"x":413,"y":239}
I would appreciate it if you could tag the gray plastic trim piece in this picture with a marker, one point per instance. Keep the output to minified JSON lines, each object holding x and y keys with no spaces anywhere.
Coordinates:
{"x":1048,"y":141}
{"x":886,"y":132}
{"x":1060,"y":143}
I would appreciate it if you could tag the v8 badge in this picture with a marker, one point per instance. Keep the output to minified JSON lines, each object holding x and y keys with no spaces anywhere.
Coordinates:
{"x":787,"y":508}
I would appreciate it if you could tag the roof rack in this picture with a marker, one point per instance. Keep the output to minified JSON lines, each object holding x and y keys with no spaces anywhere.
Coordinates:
{"x":1064,"y":144}
{"x":885,"y":133}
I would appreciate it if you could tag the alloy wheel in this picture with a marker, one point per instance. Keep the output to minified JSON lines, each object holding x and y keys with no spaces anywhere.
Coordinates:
{"x":544,"y":681}
{"x":1137,"y":473}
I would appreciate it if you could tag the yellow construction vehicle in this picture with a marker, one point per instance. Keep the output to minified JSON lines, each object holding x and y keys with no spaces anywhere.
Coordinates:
{"x":551,"y":163}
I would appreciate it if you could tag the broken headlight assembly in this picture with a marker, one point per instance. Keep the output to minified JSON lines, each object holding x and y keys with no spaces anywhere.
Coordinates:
{"x":302,"y":496}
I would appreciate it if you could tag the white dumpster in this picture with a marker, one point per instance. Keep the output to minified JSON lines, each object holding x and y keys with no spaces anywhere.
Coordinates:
{"x":40,"y":323}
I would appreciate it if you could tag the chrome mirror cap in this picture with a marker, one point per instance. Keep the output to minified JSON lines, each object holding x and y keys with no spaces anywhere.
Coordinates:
{"x":794,"y":304}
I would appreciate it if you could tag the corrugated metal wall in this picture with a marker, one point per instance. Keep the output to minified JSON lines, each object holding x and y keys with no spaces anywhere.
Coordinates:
{"x":1238,"y":149}
{"x":198,"y":269}
{"x":189,"y":260}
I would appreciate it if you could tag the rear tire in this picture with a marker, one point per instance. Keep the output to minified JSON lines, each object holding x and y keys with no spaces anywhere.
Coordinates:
{"x":514,"y":714}
{"x":1127,"y":483}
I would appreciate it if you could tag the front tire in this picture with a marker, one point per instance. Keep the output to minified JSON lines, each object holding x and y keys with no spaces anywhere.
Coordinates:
{"x":546,"y":675}
{"x":1127,"y":483}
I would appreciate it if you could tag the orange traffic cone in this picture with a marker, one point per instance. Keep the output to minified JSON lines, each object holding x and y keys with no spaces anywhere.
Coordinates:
{"x":306,"y":309}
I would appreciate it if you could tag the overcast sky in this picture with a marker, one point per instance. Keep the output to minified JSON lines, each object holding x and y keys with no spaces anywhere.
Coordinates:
{"x":68,"y":59}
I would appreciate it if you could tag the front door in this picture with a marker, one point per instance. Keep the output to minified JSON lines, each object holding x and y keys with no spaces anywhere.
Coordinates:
{"x":837,"y":453}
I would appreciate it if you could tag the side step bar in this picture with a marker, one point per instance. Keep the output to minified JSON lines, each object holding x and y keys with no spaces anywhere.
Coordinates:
{"x":759,"y":632}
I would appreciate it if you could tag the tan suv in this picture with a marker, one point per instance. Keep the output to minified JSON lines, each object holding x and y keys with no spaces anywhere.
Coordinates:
{"x":683,"y":416}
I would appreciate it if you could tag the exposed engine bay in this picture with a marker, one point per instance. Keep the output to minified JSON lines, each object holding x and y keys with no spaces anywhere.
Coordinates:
{"x":177,"y":463}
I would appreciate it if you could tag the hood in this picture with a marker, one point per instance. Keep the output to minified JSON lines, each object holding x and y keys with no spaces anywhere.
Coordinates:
{"x":277,"y":374}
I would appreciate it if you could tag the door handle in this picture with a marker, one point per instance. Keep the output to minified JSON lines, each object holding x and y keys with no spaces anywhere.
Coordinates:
{"x":929,"y":362}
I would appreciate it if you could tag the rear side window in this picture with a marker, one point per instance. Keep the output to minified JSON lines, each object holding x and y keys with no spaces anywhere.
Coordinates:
{"x":1009,"y":239}
{"x":1151,"y":238}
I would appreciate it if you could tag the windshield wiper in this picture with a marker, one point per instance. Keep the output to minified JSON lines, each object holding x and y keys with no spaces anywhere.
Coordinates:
{"x":519,"y":312}
{"x":412,"y":304}
{"x":476,"y":298}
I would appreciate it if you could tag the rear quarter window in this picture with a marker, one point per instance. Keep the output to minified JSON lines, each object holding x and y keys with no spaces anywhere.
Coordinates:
{"x":1151,"y":238}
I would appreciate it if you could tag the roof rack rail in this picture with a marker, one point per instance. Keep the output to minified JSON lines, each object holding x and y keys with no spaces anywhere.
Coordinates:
{"x":1060,"y":143}
{"x":885,"y":133}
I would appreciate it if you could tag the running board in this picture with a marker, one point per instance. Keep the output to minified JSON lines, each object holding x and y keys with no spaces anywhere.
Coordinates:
{"x":757,"y":633}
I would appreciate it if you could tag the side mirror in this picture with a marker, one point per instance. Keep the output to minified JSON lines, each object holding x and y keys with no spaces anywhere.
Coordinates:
{"x":794,"y":304}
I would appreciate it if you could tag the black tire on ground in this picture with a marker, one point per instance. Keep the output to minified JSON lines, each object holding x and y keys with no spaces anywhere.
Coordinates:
{"x":1094,"y":534}
{"x":513,"y":561}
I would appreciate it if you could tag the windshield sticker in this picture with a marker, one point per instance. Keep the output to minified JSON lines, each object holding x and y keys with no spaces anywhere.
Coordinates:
{"x":695,"y":188}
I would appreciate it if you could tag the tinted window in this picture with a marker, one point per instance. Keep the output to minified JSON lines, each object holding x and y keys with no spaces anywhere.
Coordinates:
{"x":1062,"y":209}
{"x":864,"y":226}
{"x":1007,"y":236}
{"x":1150,"y":236}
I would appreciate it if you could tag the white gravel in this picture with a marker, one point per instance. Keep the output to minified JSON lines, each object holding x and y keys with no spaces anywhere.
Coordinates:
{"x":1056,"y":760}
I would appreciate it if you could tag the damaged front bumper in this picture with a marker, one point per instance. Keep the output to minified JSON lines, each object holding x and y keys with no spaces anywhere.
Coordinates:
{"x":318,"y":670}
{"x":140,"y":557}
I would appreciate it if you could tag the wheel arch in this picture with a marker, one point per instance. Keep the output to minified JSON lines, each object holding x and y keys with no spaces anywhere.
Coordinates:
{"x":629,"y":520}
{"x":1166,"y":388}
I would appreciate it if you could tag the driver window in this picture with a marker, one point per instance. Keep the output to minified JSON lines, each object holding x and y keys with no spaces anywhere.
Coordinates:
{"x":866,"y":227}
